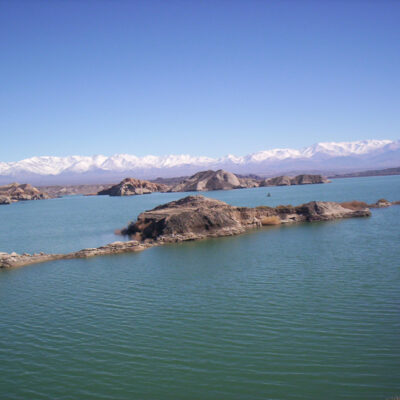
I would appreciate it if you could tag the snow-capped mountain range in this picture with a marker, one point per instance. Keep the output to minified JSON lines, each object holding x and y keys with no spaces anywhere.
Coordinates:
{"x":321,"y":157}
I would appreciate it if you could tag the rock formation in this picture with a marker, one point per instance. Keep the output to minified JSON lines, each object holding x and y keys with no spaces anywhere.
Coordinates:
{"x":297,"y":180}
{"x":10,"y":260}
{"x":198,"y":217}
{"x":132,"y":186}
{"x":209,"y":180}
{"x":382,"y":203}
{"x":16,"y":192}
{"x":277,"y":181}
{"x":205,"y":181}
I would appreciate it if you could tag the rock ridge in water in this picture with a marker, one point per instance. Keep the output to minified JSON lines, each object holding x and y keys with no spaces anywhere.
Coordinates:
{"x":198,"y":217}
{"x":132,"y":186}
{"x":20,"y":192}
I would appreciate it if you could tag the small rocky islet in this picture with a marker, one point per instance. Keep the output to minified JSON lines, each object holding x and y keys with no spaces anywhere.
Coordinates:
{"x":199,"y":217}
{"x":132,"y":186}
{"x":20,"y":192}
{"x":304,"y":179}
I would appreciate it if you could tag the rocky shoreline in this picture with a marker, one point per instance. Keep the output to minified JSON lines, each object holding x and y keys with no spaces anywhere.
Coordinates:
{"x":199,"y":217}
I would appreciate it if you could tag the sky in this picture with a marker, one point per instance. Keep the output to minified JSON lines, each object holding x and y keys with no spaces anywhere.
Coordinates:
{"x":195,"y":77}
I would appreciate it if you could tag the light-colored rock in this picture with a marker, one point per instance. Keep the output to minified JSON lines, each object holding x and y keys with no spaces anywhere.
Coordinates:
{"x":305,"y":179}
{"x":132,"y":186}
{"x":17,"y":192}
{"x":382,"y":203}
{"x":5,"y":199}
{"x":209,"y":180}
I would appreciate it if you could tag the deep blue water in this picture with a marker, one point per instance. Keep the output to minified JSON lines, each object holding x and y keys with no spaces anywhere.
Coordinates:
{"x":309,"y":311}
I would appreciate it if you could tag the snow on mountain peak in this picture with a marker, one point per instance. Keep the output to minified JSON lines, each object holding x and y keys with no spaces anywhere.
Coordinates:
{"x":120,"y":163}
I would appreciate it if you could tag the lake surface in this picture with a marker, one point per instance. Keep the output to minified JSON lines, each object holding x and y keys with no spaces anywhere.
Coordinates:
{"x":310,"y":311}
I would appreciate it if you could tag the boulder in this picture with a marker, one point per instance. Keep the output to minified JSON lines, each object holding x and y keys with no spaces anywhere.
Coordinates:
{"x":5,"y":200}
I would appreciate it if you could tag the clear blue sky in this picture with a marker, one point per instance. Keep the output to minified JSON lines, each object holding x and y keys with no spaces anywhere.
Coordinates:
{"x":199,"y":77}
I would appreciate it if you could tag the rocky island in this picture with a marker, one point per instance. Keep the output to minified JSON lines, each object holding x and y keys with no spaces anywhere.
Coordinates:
{"x":199,"y":217}
{"x":305,"y":179}
{"x":132,"y":187}
{"x":20,"y":192}
{"x":209,"y":180}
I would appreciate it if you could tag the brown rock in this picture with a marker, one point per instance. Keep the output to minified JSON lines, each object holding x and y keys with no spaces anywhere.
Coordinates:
{"x":195,"y":217}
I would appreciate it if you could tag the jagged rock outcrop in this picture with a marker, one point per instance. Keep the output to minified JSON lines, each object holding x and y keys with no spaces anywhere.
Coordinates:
{"x":196,"y":217}
{"x":20,"y":192}
{"x":284,"y":180}
{"x":209,"y":180}
{"x":132,"y":186}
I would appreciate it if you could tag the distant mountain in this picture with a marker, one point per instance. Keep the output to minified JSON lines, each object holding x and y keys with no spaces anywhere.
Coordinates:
{"x":326,"y":158}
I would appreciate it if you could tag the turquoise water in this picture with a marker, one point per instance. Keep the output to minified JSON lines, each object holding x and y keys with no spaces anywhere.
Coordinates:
{"x":310,"y":311}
